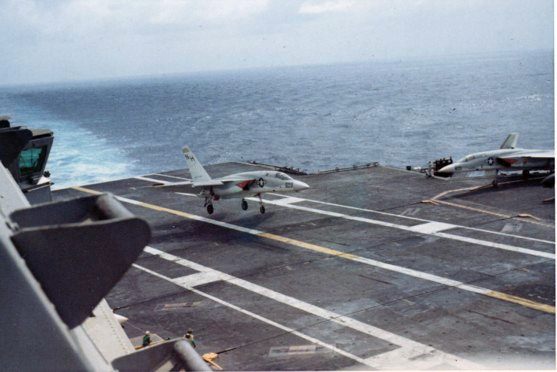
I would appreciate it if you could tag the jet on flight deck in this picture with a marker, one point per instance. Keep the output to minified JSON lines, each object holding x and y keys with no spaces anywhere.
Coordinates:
{"x":238,"y":185}
{"x":506,"y":158}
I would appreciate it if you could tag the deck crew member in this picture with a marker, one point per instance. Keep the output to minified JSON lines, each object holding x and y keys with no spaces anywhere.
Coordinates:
{"x":189,"y":336}
{"x":146,"y":339}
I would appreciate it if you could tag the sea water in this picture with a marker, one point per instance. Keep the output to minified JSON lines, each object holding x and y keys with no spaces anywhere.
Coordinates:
{"x":320,"y":117}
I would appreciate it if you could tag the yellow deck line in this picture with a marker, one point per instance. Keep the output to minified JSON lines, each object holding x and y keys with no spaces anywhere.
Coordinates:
{"x":494,"y":294}
{"x":332,"y":252}
{"x":522,"y":301}
{"x":309,"y":246}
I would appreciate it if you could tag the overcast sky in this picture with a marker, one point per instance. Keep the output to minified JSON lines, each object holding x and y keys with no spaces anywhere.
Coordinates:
{"x":52,"y":40}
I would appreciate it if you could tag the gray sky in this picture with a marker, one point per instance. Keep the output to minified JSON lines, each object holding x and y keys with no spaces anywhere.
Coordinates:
{"x":52,"y":40}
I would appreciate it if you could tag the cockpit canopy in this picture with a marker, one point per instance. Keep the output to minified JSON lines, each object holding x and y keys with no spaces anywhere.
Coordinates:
{"x":478,"y":155}
{"x":283,"y":176}
{"x":466,"y":159}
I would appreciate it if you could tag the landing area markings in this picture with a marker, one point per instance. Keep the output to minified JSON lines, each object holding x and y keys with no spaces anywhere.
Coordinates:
{"x":432,"y":228}
{"x":423,"y":355}
{"x":324,"y":250}
{"x":288,"y":200}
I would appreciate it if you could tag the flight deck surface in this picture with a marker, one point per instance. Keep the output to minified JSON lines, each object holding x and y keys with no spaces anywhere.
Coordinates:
{"x":371,"y":268}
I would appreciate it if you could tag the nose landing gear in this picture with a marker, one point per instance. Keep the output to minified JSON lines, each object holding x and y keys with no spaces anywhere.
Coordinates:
{"x":244,"y":204}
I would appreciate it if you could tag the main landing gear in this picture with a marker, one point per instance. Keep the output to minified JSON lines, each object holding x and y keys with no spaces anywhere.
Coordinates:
{"x":209,"y":205}
{"x":495,"y":183}
{"x":262,"y":207}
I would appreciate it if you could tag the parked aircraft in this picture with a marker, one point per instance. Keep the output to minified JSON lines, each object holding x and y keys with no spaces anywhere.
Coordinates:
{"x":238,"y":185}
{"x":507,"y":158}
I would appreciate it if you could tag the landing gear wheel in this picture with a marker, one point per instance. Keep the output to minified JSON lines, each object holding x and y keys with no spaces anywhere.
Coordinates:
{"x":244,"y":205}
{"x":210,"y":209}
{"x":495,"y":183}
{"x":262,"y":209}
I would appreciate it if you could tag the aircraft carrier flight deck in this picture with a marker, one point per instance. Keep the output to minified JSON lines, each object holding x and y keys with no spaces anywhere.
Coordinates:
{"x":370,"y":268}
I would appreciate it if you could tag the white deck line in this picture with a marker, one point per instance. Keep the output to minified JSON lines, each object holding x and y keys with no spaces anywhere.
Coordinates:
{"x":188,"y":194}
{"x":197,"y":279}
{"x":143,"y":178}
{"x":366,"y":261}
{"x":262,"y":319}
{"x":423,"y":220}
{"x":360,"y":209}
{"x":398,"y":216}
{"x":352,"y":257}
{"x":506,"y":234}
{"x":287,"y":200}
{"x":408,"y":349}
{"x":431,"y":227}
{"x":416,"y":229}
{"x":169,"y":176}
{"x":495,"y":245}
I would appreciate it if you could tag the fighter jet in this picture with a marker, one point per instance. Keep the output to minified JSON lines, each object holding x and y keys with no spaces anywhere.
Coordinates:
{"x":507,"y":158}
{"x":238,"y":185}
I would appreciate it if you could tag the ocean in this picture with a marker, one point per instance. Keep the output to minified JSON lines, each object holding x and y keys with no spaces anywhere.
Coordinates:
{"x":319,"y":117}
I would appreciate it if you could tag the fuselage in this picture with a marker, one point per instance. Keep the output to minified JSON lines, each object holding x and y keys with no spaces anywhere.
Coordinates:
{"x":248,"y":184}
{"x":514,"y":159}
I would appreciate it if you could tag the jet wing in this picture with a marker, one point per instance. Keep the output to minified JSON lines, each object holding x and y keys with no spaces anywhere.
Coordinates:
{"x":511,"y":159}
{"x":172,"y":186}
{"x":183,"y":183}
{"x":242,"y":182}
{"x":180,"y":185}
{"x":207,"y":183}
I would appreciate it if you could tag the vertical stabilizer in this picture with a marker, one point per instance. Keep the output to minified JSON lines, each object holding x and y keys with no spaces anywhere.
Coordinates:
{"x":510,"y":142}
{"x":198,"y":173}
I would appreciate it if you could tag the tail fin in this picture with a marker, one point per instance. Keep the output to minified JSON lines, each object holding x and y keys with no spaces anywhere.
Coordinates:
{"x":510,"y":142}
{"x":198,"y":173}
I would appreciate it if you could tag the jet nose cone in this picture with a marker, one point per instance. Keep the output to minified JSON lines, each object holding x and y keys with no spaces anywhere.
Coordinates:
{"x":299,"y":186}
{"x":448,"y":169}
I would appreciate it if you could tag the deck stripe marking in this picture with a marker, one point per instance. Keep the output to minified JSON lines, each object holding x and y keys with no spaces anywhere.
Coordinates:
{"x":288,"y":200}
{"x":408,"y":349}
{"x":412,"y":218}
{"x":431,"y":227}
{"x":396,"y":215}
{"x":495,"y":245}
{"x":417,"y":274}
{"x":198,"y":279}
{"x":506,"y":234}
{"x":360,"y":209}
{"x":154,"y":180}
{"x":170,"y":176}
{"x":424,"y":220}
{"x":348,"y":256}
{"x":419,"y":229}
{"x":262,"y":319}
{"x":188,"y":194}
